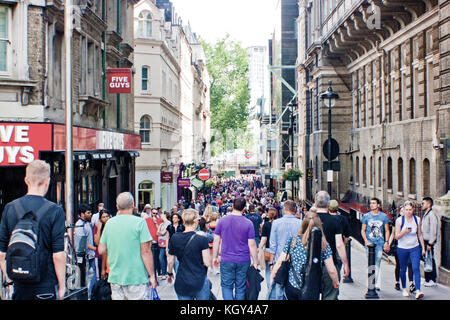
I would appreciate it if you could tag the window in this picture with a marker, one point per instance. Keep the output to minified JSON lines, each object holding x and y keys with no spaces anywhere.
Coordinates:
{"x":145,"y":79}
{"x":429,"y":100}
{"x":364,"y":170}
{"x":357,"y":169}
{"x":4,"y":38}
{"x":146,"y":194}
{"x":164,"y":83}
{"x":380,"y":176}
{"x":145,"y":129}
{"x":389,"y":173}
{"x":145,"y":25}
{"x":371,"y":171}
{"x":400,"y":174}
{"x":412,"y":176}
{"x":426,"y":178}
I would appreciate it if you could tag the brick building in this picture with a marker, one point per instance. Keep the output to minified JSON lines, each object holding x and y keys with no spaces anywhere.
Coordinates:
{"x":32,"y":90}
{"x":387,"y":62}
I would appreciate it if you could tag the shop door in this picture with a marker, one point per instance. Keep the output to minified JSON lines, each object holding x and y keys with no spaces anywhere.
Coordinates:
{"x":112,"y":195}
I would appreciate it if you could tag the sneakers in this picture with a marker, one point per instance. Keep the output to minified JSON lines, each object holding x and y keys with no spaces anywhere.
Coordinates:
{"x":419,"y":295}
{"x":412,"y":287}
{"x":430,"y":284}
{"x":405,"y":293}
{"x":397,"y":286}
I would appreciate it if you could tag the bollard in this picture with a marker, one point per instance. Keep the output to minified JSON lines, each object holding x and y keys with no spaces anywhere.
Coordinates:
{"x":313,"y":276}
{"x":348,"y":248}
{"x":371,"y":292}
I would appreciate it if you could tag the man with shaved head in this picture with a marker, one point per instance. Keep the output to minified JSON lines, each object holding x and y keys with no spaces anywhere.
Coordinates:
{"x":127,"y":242}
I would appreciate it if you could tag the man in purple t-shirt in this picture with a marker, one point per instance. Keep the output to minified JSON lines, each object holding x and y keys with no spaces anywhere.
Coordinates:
{"x":235,"y":235}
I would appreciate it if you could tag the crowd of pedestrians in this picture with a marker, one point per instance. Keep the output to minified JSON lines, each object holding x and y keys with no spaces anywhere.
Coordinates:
{"x":235,"y":228}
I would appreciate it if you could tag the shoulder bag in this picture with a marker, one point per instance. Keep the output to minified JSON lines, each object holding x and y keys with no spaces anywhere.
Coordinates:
{"x":282,"y":276}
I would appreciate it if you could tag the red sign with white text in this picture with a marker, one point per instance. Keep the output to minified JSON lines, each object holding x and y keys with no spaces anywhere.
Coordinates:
{"x":119,"y":80}
{"x":204,"y":174}
{"x":20,"y":143}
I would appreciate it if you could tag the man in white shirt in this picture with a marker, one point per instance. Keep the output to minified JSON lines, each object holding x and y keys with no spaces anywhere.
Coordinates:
{"x":96,"y":216}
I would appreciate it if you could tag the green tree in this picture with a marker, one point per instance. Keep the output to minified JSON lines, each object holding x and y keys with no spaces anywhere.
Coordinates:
{"x":227,"y":64}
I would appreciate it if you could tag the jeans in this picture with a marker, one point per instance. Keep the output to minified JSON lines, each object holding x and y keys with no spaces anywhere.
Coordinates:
{"x":276,"y":292}
{"x":232,"y":278}
{"x":267,"y":274}
{"x":378,"y":256}
{"x":92,"y":276}
{"x":403,"y":256}
{"x":431,"y":276}
{"x":163,"y":261}
{"x":155,"y":253}
{"x":203,"y":294}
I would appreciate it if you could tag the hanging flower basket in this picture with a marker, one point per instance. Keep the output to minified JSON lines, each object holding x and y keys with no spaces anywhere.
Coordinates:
{"x":292,"y":175}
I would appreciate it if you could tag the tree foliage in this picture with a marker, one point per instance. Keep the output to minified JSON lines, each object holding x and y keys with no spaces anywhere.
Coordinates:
{"x":227,"y":64}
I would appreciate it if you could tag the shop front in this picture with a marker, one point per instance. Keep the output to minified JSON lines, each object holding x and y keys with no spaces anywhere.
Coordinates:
{"x":104,"y":162}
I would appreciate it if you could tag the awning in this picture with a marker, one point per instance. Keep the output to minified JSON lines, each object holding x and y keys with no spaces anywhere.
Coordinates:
{"x":100,"y":155}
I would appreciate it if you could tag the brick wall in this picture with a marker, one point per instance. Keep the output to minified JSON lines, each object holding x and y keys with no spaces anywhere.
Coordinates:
{"x":36,"y":52}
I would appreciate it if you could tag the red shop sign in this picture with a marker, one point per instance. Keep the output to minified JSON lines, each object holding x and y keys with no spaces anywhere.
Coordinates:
{"x":20,"y":143}
{"x":119,"y":80}
{"x":166,"y":177}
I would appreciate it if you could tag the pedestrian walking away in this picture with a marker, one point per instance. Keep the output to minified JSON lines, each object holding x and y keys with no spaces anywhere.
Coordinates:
{"x":49,"y":282}
{"x":235,"y":235}
{"x":410,"y":240}
{"x":126,"y":241}
{"x":332,"y":229}
{"x":296,"y":250}
{"x":192,"y":251}
{"x":282,"y":229}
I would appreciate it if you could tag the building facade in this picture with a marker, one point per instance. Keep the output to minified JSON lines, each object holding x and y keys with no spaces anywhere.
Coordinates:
{"x":171,"y":101}
{"x":32,"y":92}
{"x":387,"y":62}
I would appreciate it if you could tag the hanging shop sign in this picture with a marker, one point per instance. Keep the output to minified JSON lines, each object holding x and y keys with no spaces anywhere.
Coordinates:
{"x":119,"y":80}
{"x":184,"y":183}
{"x":166,"y":177}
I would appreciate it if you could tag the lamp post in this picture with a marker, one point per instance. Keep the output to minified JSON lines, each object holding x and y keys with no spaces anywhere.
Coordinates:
{"x":292,"y":105}
{"x":329,"y":97}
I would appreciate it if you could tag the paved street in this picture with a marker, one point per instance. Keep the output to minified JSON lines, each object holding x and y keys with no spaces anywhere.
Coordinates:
{"x":349,"y":291}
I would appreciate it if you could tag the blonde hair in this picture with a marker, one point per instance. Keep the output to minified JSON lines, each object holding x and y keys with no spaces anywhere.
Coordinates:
{"x":208,"y":213}
{"x":310,"y":221}
{"x":213,"y":217}
{"x":189,"y":217}
{"x":37,"y":172}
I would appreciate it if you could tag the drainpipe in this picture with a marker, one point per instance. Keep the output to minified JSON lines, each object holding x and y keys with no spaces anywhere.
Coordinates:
{"x":119,"y":31}
{"x":104,"y":63}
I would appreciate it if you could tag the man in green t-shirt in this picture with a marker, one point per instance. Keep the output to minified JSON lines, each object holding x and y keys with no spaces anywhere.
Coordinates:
{"x":126,"y":241}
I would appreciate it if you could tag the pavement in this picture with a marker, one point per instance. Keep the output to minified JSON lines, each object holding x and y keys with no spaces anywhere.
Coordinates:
{"x":348,"y":291}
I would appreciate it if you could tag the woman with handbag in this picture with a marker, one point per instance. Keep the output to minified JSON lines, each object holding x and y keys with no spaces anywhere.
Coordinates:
{"x":163,"y":234}
{"x":264,"y":245}
{"x":295,"y":256}
{"x":192,"y":251}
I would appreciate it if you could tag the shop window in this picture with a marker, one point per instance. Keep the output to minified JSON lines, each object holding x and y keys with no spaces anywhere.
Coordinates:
{"x":146,"y":194}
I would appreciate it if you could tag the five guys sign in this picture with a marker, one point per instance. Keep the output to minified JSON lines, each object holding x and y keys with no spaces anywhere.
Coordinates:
{"x":119,"y":80}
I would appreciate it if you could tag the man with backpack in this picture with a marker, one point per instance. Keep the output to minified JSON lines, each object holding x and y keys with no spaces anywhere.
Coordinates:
{"x":32,"y":240}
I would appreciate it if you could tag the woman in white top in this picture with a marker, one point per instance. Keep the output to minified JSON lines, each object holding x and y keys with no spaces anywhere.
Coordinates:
{"x":408,"y":234}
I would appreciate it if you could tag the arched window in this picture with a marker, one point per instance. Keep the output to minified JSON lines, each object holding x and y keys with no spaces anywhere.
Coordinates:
{"x":426,"y":178}
{"x":146,"y":194}
{"x":364,"y":170}
{"x":357,"y":169}
{"x":389,"y":173}
{"x":412,"y":176}
{"x":145,"y":25}
{"x":400,"y":174}
{"x":145,"y":129}
{"x":380,"y":173}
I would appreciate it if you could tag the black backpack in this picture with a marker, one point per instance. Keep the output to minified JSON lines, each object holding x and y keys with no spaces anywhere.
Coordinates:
{"x":23,"y":256}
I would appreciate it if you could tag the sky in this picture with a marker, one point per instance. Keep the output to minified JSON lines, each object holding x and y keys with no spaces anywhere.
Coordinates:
{"x":249,"y":21}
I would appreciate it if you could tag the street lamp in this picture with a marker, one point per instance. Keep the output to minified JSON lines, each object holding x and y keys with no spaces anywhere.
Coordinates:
{"x":329,"y":97}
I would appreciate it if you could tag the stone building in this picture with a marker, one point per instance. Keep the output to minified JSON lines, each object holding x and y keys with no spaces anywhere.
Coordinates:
{"x":387,"y":60}
{"x":32,"y":91}
{"x":171,"y":101}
